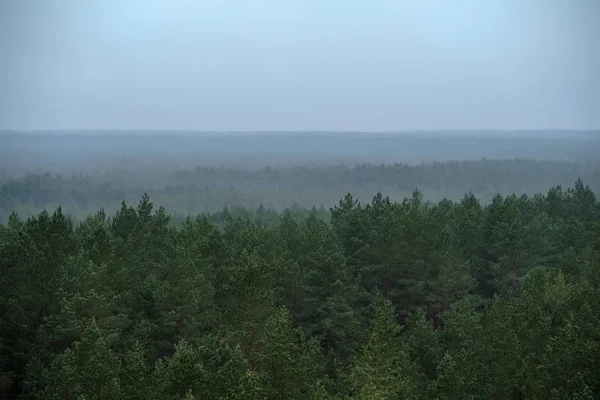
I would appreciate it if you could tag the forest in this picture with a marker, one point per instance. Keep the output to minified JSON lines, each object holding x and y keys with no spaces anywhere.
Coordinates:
{"x":385,"y":299}
{"x":210,"y":190}
{"x":194,"y":172}
{"x":300,"y":266}
{"x":299,"y":200}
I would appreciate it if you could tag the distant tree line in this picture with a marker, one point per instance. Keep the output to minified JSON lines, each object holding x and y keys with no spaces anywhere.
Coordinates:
{"x":210,"y":189}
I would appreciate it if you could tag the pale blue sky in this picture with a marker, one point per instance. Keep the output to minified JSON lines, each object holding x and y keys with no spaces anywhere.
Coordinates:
{"x":299,"y":64}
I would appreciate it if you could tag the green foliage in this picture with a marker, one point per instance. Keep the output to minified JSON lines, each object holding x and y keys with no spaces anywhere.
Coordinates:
{"x":383,"y":300}
{"x":212,"y":371}
{"x":235,"y":191}
{"x":382,"y":370}
{"x":88,"y":369}
{"x":291,"y":362}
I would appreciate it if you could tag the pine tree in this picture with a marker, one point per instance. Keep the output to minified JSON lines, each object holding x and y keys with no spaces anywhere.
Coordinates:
{"x":506,"y":246}
{"x":31,"y":255}
{"x":421,"y":343}
{"x":347,"y":220}
{"x":382,"y":369}
{"x":211,"y":371}
{"x":135,"y":374}
{"x":246,"y":301}
{"x":291,"y":362}
{"x":329,"y":311}
{"x":88,"y":369}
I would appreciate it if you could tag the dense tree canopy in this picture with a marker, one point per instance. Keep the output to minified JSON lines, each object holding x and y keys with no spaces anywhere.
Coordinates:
{"x":380,"y":300}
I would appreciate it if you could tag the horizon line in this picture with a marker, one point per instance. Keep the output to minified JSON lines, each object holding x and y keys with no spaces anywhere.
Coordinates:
{"x":387,"y":131}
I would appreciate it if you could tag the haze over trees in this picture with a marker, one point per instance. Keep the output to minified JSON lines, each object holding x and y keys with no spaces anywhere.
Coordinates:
{"x":454,"y":279}
{"x":300,"y":199}
{"x":205,"y":172}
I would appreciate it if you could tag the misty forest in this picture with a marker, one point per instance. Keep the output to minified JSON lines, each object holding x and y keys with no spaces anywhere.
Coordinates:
{"x":299,"y":200}
{"x":439,"y":265}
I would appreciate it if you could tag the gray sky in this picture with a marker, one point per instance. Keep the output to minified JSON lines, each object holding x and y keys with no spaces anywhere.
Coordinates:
{"x":299,"y":64}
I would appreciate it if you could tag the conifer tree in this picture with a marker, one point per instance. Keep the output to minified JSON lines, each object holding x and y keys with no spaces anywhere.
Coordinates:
{"x":88,"y":369}
{"x":382,"y":369}
{"x":291,"y":362}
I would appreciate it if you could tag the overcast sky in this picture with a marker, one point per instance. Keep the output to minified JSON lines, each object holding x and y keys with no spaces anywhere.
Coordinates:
{"x":299,"y":64}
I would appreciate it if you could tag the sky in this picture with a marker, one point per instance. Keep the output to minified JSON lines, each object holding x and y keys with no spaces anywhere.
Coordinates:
{"x":376,"y":65}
